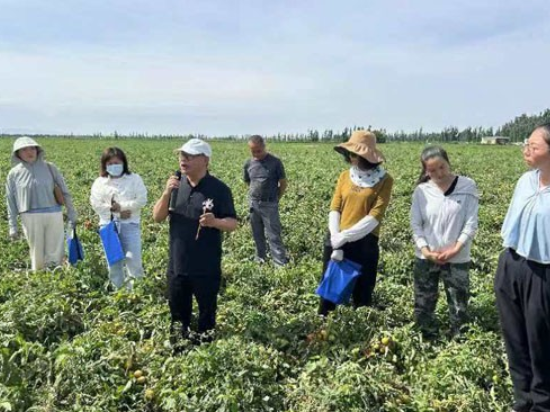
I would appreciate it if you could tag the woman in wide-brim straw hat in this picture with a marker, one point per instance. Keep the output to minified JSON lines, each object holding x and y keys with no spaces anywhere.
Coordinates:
{"x":30,"y":195}
{"x":357,"y":209}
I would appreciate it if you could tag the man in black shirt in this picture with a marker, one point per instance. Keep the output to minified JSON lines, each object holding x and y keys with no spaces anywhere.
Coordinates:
{"x":201,"y":208}
{"x":265,"y":176}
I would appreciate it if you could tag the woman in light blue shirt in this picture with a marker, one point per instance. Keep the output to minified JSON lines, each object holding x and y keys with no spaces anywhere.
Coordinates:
{"x":522,"y":283}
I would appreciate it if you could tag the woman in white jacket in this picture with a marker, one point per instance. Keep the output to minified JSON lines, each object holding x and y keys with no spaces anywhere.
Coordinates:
{"x":444,"y":221}
{"x":120,"y":195}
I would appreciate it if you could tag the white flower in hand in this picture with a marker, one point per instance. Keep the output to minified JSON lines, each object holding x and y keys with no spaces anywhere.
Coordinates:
{"x":208,"y":204}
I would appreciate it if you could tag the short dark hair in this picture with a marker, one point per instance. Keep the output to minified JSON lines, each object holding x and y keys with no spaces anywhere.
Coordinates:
{"x":107,"y":155}
{"x":363,"y":163}
{"x":257,"y":139}
{"x":546,"y":129}
{"x":431,"y":152}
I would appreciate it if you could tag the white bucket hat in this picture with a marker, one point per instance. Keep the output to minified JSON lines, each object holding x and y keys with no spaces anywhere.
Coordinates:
{"x":196,"y":147}
{"x":23,"y":142}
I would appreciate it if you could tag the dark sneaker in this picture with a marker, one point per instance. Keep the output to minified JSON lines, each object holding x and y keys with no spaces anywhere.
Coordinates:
{"x":178,"y":332}
{"x":202,"y":338}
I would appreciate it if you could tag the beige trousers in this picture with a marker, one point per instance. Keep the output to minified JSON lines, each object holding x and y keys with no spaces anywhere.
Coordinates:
{"x":45,"y":235}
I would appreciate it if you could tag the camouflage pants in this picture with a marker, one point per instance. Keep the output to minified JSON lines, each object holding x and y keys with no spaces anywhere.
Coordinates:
{"x":426,"y":290}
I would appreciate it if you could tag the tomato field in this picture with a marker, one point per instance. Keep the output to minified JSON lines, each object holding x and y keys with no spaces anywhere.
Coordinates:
{"x":67,"y":343}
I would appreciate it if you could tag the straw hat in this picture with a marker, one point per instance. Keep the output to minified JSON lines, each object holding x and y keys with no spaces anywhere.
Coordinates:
{"x":362,"y":143}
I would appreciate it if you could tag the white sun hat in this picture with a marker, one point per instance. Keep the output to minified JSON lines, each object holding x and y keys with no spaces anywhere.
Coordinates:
{"x":196,"y":147}
{"x":23,"y":142}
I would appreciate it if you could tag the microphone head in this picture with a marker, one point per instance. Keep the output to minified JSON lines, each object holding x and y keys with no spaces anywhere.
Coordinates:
{"x":178,"y":174}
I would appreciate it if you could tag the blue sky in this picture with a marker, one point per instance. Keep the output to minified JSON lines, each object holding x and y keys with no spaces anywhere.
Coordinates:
{"x":243,"y":67}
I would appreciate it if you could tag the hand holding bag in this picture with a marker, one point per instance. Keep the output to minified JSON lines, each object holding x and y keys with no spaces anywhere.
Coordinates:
{"x":111,"y":242}
{"x":74,"y":247}
{"x":338,"y":281}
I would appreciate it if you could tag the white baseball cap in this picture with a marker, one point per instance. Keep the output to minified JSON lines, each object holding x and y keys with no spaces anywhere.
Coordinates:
{"x":196,"y":147}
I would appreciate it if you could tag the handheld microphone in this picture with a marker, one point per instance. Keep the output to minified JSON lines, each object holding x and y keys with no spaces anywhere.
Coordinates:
{"x":174,"y":194}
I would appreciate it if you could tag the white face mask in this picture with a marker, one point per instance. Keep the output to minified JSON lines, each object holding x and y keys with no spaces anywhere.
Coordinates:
{"x":366,"y":178}
{"x":115,"y":170}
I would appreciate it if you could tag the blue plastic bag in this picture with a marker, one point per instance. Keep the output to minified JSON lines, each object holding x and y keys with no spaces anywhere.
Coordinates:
{"x":338,"y":281}
{"x":74,"y":247}
{"x":111,"y":243}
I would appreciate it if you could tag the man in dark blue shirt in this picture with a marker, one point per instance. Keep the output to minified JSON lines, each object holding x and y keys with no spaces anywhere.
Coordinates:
{"x":266,"y":178}
{"x":200,"y":210}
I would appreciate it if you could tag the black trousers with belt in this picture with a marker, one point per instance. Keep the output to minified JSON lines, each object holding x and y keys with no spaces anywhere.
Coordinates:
{"x":365,"y":252}
{"x":522,"y":290}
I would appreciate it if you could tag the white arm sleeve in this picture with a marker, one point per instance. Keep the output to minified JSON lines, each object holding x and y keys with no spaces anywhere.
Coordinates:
{"x":360,"y":229}
{"x":334,"y":222}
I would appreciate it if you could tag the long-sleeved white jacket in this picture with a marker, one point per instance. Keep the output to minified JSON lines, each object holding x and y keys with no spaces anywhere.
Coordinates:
{"x":439,"y":221}
{"x":127,"y":190}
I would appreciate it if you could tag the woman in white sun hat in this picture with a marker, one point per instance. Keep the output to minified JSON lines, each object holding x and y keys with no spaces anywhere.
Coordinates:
{"x":35,"y":191}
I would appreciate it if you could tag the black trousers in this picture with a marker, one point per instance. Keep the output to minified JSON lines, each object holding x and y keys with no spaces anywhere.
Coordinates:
{"x":181,"y":290}
{"x":522,"y":290}
{"x":364,"y":251}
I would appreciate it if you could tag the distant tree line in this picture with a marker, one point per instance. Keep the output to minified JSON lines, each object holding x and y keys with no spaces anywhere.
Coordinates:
{"x":517,"y":130}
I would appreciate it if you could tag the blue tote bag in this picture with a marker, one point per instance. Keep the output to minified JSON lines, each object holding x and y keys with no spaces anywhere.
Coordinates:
{"x":338,"y":281}
{"x":111,"y":243}
{"x":74,"y":247}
